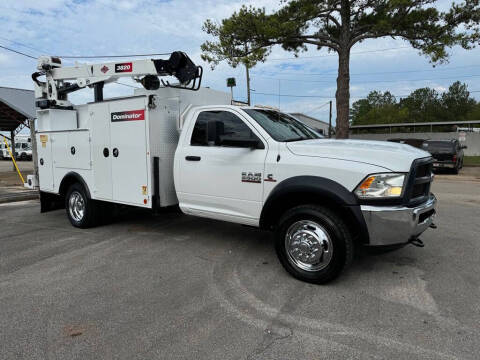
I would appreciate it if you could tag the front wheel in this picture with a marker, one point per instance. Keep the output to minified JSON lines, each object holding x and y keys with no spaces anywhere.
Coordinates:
{"x":81,"y":210}
{"x":313,"y":243}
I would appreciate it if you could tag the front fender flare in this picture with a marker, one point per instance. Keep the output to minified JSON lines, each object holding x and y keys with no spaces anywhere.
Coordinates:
{"x":313,"y":188}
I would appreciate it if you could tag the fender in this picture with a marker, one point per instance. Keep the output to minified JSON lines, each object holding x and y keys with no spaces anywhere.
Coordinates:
{"x":67,"y":181}
{"x":302,"y":189}
{"x":49,"y":201}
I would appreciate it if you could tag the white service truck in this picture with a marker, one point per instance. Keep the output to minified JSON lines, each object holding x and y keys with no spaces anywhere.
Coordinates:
{"x":23,"y":148}
{"x":167,"y":145}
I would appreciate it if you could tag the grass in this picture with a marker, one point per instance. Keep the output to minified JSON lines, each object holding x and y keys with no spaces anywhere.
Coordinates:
{"x":471,"y":160}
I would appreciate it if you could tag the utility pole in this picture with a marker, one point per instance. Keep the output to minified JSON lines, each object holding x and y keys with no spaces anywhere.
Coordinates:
{"x":248,"y":84}
{"x":330,"y":121}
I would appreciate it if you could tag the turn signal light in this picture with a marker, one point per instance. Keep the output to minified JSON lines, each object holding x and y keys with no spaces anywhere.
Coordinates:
{"x":367,"y":182}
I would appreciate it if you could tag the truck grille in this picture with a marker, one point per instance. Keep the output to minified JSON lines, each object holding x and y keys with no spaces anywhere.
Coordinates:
{"x":419,"y":181}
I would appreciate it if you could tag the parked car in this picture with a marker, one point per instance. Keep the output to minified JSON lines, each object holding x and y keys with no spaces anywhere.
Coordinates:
{"x":418,"y":143}
{"x":447,"y":154}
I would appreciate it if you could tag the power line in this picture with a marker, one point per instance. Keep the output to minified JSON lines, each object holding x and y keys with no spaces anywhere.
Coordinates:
{"x":299,"y":96}
{"x":87,"y":56}
{"x":315,"y":109}
{"x":372,"y":81}
{"x":21,"y":44}
{"x":374,"y":73}
{"x":109,"y":56}
{"x":333,"y":97}
{"x":353,"y":53}
{"x":18,"y":52}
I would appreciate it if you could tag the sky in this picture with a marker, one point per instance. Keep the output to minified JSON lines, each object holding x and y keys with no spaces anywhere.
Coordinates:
{"x":117,"y":27}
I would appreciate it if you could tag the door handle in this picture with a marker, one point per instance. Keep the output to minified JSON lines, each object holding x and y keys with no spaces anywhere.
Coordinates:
{"x":192,"y":158}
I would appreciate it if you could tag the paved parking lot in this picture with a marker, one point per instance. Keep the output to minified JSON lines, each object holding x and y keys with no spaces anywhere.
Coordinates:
{"x":11,"y":187}
{"x":174,"y":287}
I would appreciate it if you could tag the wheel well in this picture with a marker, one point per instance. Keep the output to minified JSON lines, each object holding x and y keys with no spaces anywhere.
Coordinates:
{"x":69,"y":180}
{"x":276,"y":208}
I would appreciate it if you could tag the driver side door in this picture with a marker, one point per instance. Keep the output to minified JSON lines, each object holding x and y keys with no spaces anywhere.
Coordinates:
{"x":219,"y":181}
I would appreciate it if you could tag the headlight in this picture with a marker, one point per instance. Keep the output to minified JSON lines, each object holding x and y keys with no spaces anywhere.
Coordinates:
{"x":386,"y":185}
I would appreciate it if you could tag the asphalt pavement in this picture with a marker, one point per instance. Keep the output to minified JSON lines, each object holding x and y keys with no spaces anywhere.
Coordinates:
{"x":171,"y":286}
{"x":11,"y":186}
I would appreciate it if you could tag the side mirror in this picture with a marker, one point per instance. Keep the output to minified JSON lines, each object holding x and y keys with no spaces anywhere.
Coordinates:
{"x":464,"y":147}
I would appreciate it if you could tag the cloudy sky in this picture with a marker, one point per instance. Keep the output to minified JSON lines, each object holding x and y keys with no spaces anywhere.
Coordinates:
{"x":113,"y":27}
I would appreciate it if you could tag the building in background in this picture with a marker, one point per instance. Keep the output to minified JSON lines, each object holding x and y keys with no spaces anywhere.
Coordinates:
{"x":319,"y":125}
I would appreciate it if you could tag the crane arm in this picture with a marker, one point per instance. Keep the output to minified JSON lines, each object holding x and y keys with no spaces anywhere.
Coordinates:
{"x":53,"y":92}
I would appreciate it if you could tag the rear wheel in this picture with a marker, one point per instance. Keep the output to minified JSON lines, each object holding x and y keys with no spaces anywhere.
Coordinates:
{"x":81,"y":210}
{"x":313,"y":243}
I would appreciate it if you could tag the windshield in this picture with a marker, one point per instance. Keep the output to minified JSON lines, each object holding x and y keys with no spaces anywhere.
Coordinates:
{"x":282,"y":127}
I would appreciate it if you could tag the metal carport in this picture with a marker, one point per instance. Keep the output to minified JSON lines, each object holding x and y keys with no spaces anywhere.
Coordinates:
{"x":17,"y":111}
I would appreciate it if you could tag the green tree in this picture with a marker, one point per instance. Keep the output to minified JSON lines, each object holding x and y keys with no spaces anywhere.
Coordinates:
{"x":365,"y":111}
{"x":424,"y":105}
{"x":456,"y":102}
{"x":340,"y":24}
{"x":234,"y":45}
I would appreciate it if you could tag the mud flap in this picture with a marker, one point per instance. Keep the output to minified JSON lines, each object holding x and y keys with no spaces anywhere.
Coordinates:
{"x":50,"y":202}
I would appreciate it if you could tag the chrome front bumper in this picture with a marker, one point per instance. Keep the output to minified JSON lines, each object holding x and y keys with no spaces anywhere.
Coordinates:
{"x":396,"y":225}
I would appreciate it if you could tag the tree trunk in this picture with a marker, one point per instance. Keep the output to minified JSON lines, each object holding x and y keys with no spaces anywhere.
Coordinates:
{"x":248,"y":84}
{"x":343,"y":94}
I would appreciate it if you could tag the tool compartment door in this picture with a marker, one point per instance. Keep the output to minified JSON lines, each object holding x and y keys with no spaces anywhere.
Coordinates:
{"x":101,"y":153}
{"x":128,"y":143}
{"x":45,"y":161}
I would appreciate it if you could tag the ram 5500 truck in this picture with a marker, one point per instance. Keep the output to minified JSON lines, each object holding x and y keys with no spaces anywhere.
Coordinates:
{"x":166,"y":145}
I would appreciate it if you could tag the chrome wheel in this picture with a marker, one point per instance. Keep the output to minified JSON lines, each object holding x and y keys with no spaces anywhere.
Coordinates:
{"x":76,"y":206}
{"x":308,"y":245}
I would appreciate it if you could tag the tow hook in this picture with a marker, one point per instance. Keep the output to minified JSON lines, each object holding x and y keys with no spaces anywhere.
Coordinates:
{"x":433,"y":226}
{"x":417,"y":242}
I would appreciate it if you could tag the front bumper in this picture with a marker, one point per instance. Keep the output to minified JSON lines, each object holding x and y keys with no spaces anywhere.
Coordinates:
{"x":396,"y":225}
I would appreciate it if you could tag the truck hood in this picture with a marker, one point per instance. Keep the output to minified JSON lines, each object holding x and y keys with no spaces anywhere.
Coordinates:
{"x":389,"y":155}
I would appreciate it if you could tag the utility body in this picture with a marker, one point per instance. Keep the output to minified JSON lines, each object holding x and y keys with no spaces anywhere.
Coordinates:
{"x":168,"y":145}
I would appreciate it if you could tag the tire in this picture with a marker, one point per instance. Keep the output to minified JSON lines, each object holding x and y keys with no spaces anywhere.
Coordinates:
{"x":81,"y":210}
{"x":456,"y":169}
{"x":327,"y":247}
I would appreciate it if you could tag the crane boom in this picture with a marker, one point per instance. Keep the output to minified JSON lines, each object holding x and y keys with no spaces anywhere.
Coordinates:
{"x":53,"y":92}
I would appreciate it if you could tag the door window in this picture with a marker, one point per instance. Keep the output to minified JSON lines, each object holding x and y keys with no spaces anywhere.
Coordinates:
{"x":212,"y":127}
